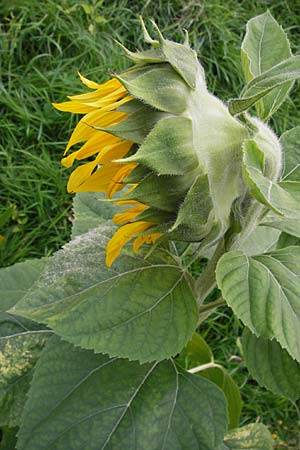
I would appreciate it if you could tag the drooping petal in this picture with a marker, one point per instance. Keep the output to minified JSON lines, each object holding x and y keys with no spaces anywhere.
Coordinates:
{"x":146,"y":239}
{"x":116,"y":182}
{"x":83,"y":179}
{"x":129,"y":214}
{"x":85,"y":128}
{"x":123,"y":235}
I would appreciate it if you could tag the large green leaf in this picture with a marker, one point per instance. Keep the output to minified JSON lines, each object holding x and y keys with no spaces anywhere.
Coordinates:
{"x":264,"y":292}
{"x":140,"y":308}
{"x":290,"y":226}
{"x":261,"y":240}
{"x":220,"y":377}
{"x":255,"y":436}
{"x":291,"y":150}
{"x":17,"y":279}
{"x":276,"y":77}
{"x":281,"y":198}
{"x":259,"y":54}
{"x":271,"y":366}
{"x":18,"y":355}
{"x":91,"y":209}
{"x":197,"y":354}
{"x":93,"y":402}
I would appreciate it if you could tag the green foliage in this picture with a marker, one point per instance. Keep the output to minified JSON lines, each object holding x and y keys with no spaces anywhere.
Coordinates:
{"x":263,"y":292}
{"x":118,"y":404}
{"x":252,"y":437}
{"x":140,"y":309}
{"x":144,"y":309}
{"x":271,"y":366}
{"x":198,"y":357}
{"x":16,"y":280}
{"x":90,"y":210}
{"x":259,"y":54}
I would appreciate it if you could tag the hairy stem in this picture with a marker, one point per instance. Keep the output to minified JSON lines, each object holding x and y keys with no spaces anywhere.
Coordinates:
{"x":210,"y":365}
{"x":209,"y":306}
{"x":207,"y":280}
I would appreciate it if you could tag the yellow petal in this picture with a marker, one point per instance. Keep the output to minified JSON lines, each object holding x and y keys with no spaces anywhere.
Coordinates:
{"x":80,"y":175}
{"x":129,"y":214}
{"x":100,"y":141}
{"x":116,"y":182}
{"x":85,"y":127}
{"x":111,"y":101}
{"x":74,"y":107}
{"x":98,"y":181}
{"x":146,"y":239}
{"x":90,"y":84}
{"x":116,"y":151}
{"x":123,"y":235}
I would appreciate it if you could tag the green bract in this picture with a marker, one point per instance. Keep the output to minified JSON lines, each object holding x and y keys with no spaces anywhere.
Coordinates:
{"x":191,"y":158}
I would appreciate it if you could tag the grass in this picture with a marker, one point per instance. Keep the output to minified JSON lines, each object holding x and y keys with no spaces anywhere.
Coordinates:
{"x":43,"y":45}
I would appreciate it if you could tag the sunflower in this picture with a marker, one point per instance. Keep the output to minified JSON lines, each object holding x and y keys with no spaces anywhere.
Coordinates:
{"x":156,"y":132}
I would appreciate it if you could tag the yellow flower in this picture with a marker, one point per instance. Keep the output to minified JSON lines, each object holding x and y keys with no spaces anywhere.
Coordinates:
{"x":103,"y":173}
{"x":158,"y":132}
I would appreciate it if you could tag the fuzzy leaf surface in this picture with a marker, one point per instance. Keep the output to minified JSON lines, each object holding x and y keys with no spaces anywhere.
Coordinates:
{"x":17,"y":279}
{"x":276,"y":77}
{"x":100,"y":403}
{"x":90,"y":210}
{"x":291,"y":150}
{"x":282,"y":198}
{"x":168,"y":149}
{"x":271,"y":365}
{"x":18,"y":355}
{"x":264,"y":292}
{"x":255,"y":436}
{"x":140,"y":308}
{"x":259,"y":54}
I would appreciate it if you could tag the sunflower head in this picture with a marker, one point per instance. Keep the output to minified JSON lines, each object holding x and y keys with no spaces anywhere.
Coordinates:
{"x":157,"y":133}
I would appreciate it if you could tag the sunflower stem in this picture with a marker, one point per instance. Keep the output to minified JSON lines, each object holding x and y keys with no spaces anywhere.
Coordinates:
{"x":207,"y":280}
{"x":212,"y":305}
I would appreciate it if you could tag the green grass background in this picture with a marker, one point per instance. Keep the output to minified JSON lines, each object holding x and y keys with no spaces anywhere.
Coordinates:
{"x":42,"y":46}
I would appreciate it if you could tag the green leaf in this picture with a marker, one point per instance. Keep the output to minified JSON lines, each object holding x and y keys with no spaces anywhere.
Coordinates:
{"x":255,"y":436}
{"x":220,"y":377}
{"x":271,"y":366}
{"x":196,"y":354}
{"x":18,"y":355}
{"x":281,"y":198}
{"x":259,"y":54}
{"x":140,"y":308}
{"x":290,"y":226}
{"x":95,"y":402}
{"x":17,"y":279}
{"x":286,"y":240}
{"x":160,"y":87}
{"x":261,"y":240}
{"x":264,"y":292}
{"x":8,"y":439}
{"x":168,"y":149}
{"x":90,"y":211}
{"x":286,"y":71}
{"x":291,"y":150}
